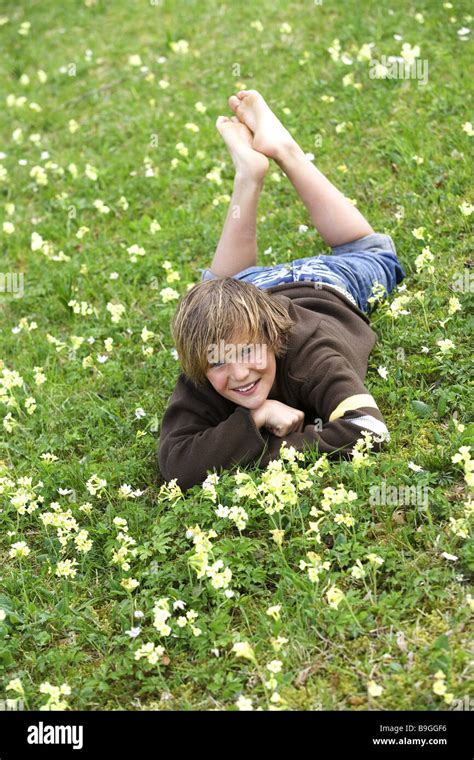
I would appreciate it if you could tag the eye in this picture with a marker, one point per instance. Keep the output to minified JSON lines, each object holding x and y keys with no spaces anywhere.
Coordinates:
{"x":212,"y":365}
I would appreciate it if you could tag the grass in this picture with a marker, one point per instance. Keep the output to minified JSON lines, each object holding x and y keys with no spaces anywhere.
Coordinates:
{"x":408,"y":618}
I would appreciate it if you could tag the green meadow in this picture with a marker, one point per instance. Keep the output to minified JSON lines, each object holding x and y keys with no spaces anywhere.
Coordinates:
{"x":315,"y":584}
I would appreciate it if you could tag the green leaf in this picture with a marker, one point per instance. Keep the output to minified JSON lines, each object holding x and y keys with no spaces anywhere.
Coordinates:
{"x":421,"y":409}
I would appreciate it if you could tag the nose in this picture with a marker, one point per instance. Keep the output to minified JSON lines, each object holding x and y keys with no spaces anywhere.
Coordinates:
{"x":238,"y":371}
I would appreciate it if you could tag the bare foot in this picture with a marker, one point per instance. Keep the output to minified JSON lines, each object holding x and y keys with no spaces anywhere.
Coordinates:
{"x":238,"y":139}
{"x":269,"y":135}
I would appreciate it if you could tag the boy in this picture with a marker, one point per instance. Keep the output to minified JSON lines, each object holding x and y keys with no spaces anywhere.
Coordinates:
{"x":280,"y":352}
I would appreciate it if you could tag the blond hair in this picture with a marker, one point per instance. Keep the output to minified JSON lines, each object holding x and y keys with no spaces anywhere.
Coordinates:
{"x":222,"y":309}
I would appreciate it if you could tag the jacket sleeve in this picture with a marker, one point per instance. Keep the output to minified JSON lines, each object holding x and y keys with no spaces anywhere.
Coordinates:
{"x":342,"y":406}
{"x":195,"y":438}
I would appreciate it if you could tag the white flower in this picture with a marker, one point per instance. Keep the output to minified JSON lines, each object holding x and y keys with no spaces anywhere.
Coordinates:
{"x":244,"y":703}
{"x":468,"y":129}
{"x":415,"y":467}
{"x":374,"y":689}
{"x":334,"y":596}
{"x":168,"y":294}
{"x":275,"y":666}
{"x":19,"y":549}
{"x":243,"y":649}
{"x":445,"y":345}
{"x":466,"y":208}
{"x":133,"y":632}
{"x":139,"y":413}
{"x":134,"y":60}
{"x":274,"y":611}
{"x":382,"y":372}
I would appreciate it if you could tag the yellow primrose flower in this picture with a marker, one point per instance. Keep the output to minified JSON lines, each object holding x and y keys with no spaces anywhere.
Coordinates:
{"x":134,"y":60}
{"x":168,"y":294}
{"x":66,"y":568}
{"x":134,"y":251}
{"x":243,"y":649}
{"x":244,"y":703}
{"x":274,"y":611}
{"x":374,"y":559}
{"x":116,"y":311}
{"x":365,"y":52}
{"x":15,"y":685}
{"x":19,"y":549}
{"x":466,"y":208}
{"x":445,"y":345}
{"x":409,"y":53}
{"x":277,"y":536}
{"x":91,"y":172}
{"x":214,"y":175}
{"x":200,"y":107}
{"x":191,"y":127}
{"x":150,"y":651}
{"x":374,"y":689}
{"x":334,"y":597}
{"x":439,"y":688}
{"x":275,"y":666}
{"x":129,"y":584}
{"x":468,"y":129}
{"x":181,"y":47}
{"x":454,"y":305}
{"x":182,"y":149}
{"x":39,"y":175}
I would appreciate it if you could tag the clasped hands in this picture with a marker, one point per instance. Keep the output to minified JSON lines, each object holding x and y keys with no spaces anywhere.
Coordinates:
{"x":278,"y":418}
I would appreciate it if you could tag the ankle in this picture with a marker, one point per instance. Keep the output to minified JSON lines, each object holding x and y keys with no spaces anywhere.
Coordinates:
{"x":287,"y":152}
{"x":248,"y":180}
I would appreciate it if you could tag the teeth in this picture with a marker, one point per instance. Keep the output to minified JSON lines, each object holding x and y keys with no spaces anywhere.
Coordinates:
{"x":246,"y":387}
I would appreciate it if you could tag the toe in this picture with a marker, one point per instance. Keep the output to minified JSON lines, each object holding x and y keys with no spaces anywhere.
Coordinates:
{"x":234,"y":102}
{"x":235,"y":120}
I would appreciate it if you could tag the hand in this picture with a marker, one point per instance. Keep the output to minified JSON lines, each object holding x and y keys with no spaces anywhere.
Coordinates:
{"x":278,"y":418}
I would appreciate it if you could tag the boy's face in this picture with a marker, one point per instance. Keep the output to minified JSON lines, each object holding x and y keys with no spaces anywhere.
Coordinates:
{"x":242,"y":372}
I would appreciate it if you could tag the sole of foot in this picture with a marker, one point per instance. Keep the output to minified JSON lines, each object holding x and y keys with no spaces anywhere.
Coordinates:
{"x":239,"y":140}
{"x":270,"y":137}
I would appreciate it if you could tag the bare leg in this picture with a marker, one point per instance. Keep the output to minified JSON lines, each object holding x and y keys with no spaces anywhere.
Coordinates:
{"x":237,"y":247}
{"x":333,"y":215}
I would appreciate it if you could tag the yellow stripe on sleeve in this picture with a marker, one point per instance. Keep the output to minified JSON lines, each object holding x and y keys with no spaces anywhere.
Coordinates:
{"x":351,"y":403}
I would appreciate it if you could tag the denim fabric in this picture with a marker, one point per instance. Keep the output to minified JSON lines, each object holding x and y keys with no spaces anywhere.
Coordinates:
{"x":352,"y":269}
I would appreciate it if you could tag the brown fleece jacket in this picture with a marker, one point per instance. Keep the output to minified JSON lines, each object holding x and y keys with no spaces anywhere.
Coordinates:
{"x":322,"y":373}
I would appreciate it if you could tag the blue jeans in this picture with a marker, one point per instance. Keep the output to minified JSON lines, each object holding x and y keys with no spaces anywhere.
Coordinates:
{"x":352,"y":269}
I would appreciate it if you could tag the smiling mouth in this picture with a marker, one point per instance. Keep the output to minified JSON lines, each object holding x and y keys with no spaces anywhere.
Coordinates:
{"x":246,"y":389}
